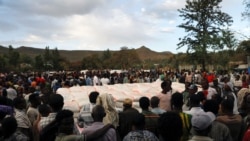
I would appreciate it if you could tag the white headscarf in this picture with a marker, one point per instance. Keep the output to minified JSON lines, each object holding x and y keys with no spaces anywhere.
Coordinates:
{"x":107,"y":101}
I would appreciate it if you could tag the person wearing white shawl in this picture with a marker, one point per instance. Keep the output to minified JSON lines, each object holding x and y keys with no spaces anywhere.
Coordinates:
{"x":107,"y":101}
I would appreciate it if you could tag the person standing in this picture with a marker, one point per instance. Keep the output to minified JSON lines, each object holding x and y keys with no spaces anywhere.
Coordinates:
{"x":202,"y":123}
{"x":165,"y":95}
{"x":23,"y":123}
{"x":126,"y":118}
{"x":151,"y":118}
{"x":138,"y":132}
{"x":169,"y":126}
{"x":176,"y":104}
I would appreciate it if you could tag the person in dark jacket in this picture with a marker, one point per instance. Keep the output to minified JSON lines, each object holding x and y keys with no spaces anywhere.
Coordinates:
{"x":126,"y":118}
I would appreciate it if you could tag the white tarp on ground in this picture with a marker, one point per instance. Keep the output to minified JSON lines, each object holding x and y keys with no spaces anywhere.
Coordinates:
{"x":77,"y":96}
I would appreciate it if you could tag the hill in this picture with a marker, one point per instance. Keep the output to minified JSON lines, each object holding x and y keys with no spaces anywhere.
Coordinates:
{"x":147,"y":54}
{"x":143,"y":52}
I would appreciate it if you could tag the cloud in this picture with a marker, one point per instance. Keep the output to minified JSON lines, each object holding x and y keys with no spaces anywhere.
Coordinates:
{"x":168,"y":29}
{"x":6,"y":26}
{"x":33,"y":38}
{"x":243,"y":33}
{"x":163,"y":9}
{"x":118,"y":28}
{"x":55,"y":8}
{"x":87,"y":24}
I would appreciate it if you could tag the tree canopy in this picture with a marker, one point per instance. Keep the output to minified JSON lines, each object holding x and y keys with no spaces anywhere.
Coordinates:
{"x":206,"y":27}
{"x":246,"y":13}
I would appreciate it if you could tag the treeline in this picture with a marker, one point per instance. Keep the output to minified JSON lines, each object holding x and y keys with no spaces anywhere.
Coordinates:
{"x":51,"y":59}
{"x":125,"y":58}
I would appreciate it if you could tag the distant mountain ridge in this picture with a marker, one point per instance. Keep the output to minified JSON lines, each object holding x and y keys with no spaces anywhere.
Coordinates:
{"x":143,"y":52}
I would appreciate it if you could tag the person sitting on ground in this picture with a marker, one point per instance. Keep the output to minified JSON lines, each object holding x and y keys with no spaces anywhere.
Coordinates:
{"x":154,"y":102}
{"x":85,"y":118}
{"x":150,"y":117}
{"x":169,"y":125}
{"x":138,"y":132}
{"x":98,"y":113}
{"x":202,"y":124}
{"x":126,"y":117}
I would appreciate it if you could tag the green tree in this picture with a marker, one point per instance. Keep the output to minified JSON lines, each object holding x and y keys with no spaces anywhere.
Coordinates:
{"x":91,"y":62}
{"x":56,"y":58}
{"x":106,"y":59}
{"x":26,"y":62}
{"x":11,"y":49}
{"x":13,"y":57}
{"x":47,"y":56}
{"x":39,"y":63}
{"x":24,"y":58}
{"x":2,"y":63}
{"x":125,"y":58}
{"x":246,"y":13}
{"x":106,"y":55}
{"x":245,"y":47}
{"x":203,"y":23}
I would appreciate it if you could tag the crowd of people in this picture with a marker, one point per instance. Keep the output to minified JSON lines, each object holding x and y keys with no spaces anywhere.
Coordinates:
{"x":213,"y":107}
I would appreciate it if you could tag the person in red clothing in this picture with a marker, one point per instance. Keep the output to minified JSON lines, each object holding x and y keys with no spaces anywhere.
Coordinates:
{"x":244,"y":81}
{"x":210,"y":77}
{"x":40,"y":80}
{"x":246,"y":135}
{"x":246,"y":113}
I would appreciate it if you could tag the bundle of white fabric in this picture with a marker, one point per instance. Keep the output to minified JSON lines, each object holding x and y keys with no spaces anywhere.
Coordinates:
{"x":77,"y":96}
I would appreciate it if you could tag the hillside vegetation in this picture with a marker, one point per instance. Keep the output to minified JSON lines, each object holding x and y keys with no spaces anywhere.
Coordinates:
{"x":30,"y":58}
{"x":144,"y":53}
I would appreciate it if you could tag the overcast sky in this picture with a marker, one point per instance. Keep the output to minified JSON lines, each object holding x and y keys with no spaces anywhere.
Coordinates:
{"x":101,"y":24}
